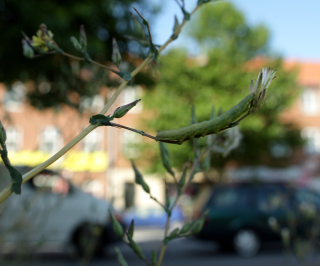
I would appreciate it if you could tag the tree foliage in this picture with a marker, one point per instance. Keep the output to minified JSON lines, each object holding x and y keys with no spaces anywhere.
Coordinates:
{"x":218,"y":80}
{"x":68,"y":80}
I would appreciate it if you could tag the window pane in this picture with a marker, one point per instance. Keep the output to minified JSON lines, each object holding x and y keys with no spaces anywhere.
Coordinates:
{"x":310,"y":101}
{"x":270,"y":199}
{"x":51,"y":139}
{"x":232,"y":197}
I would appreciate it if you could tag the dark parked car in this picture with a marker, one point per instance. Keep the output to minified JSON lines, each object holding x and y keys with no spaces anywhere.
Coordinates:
{"x":247,"y":215}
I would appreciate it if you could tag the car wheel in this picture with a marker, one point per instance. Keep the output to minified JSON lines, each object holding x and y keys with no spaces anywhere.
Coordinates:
{"x":246,"y":243}
{"x":88,"y":241}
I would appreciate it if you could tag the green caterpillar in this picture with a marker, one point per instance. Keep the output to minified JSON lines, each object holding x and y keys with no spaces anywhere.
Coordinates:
{"x":225,"y":120}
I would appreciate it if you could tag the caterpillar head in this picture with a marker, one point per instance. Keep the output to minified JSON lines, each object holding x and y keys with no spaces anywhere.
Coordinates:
{"x":259,"y":87}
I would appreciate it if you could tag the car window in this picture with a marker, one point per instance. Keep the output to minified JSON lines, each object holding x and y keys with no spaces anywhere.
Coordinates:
{"x":272,"y":198}
{"x":229,"y":197}
{"x":307,"y":201}
{"x":51,"y":183}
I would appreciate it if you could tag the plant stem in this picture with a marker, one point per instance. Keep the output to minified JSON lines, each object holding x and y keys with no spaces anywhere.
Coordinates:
{"x":6,"y":192}
{"x":157,"y":201}
{"x":164,"y":244}
{"x":133,"y":130}
{"x":180,"y":192}
{"x":78,"y":58}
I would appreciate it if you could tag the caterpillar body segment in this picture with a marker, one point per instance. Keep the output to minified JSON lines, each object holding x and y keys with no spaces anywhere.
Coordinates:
{"x":208,"y":127}
{"x":226,"y":120}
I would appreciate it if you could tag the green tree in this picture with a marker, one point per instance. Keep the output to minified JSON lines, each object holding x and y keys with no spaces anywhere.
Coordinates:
{"x":103,"y":21}
{"x":234,"y":49}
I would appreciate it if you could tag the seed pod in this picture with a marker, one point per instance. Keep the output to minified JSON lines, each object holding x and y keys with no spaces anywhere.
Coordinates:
{"x":165,"y":158}
{"x":117,"y":227}
{"x":116,"y":56}
{"x":139,"y":178}
{"x":122,"y":261}
{"x":131,"y":230}
{"x":122,"y":110}
{"x":76,"y":43}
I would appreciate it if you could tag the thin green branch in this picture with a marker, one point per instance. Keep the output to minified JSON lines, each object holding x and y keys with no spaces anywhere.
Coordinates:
{"x":141,"y":132}
{"x":180,"y":192}
{"x":78,"y":58}
{"x":158,"y":202}
{"x":6,"y":192}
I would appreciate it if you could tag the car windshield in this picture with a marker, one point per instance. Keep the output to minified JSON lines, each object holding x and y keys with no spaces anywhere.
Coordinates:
{"x":272,"y":198}
{"x":230,"y":197}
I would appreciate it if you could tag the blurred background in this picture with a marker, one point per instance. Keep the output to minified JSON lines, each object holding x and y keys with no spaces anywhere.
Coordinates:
{"x":46,"y":101}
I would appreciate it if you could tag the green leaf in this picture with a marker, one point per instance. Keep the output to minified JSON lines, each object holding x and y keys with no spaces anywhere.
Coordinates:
{"x":173,"y":235}
{"x":165,"y":158}
{"x":139,"y":178}
{"x":27,"y":49}
{"x":116,"y":56}
{"x":136,"y":248}
{"x":16,"y":178}
{"x":100,"y":120}
{"x":175,"y":232}
{"x":187,"y":227}
{"x":117,"y":226}
{"x":154,"y":258}
{"x":3,"y":135}
{"x":176,"y":23}
{"x":122,"y":110}
{"x":83,"y":38}
{"x":15,"y":175}
{"x":121,"y":260}
{"x":182,"y":180}
{"x":175,"y":26}
{"x":131,"y":230}
{"x":198,"y":225}
{"x":76,"y":43}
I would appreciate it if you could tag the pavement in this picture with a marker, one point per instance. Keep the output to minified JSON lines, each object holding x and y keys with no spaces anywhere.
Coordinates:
{"x":184,"y":252}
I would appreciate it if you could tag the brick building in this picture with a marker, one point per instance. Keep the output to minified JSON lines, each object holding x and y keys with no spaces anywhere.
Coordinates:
{"x":33,"y":136}
{"x":305,"y":112}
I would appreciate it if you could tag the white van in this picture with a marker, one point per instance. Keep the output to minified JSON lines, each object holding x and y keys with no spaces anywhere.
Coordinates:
{"x":53,"y":214}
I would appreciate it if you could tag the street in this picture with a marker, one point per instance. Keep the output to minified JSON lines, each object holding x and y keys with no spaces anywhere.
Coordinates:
{"x":186,"y":252}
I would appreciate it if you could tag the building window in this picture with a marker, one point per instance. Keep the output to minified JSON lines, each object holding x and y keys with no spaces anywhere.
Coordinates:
{"x":14,"y":139}
{"x":93,"y":142}
{"x":129,"y":195}
{"x":51,"y":139}
{"x":92,"y":104}
{"x":312,"y":136}
{"x":131,"y":141}
{"x":310,"y":101}
{"x":131,"y":94}
{"x":15,"y":97}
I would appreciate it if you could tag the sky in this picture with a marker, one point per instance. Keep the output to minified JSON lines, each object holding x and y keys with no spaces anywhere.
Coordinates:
{"x":294,"y":24}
